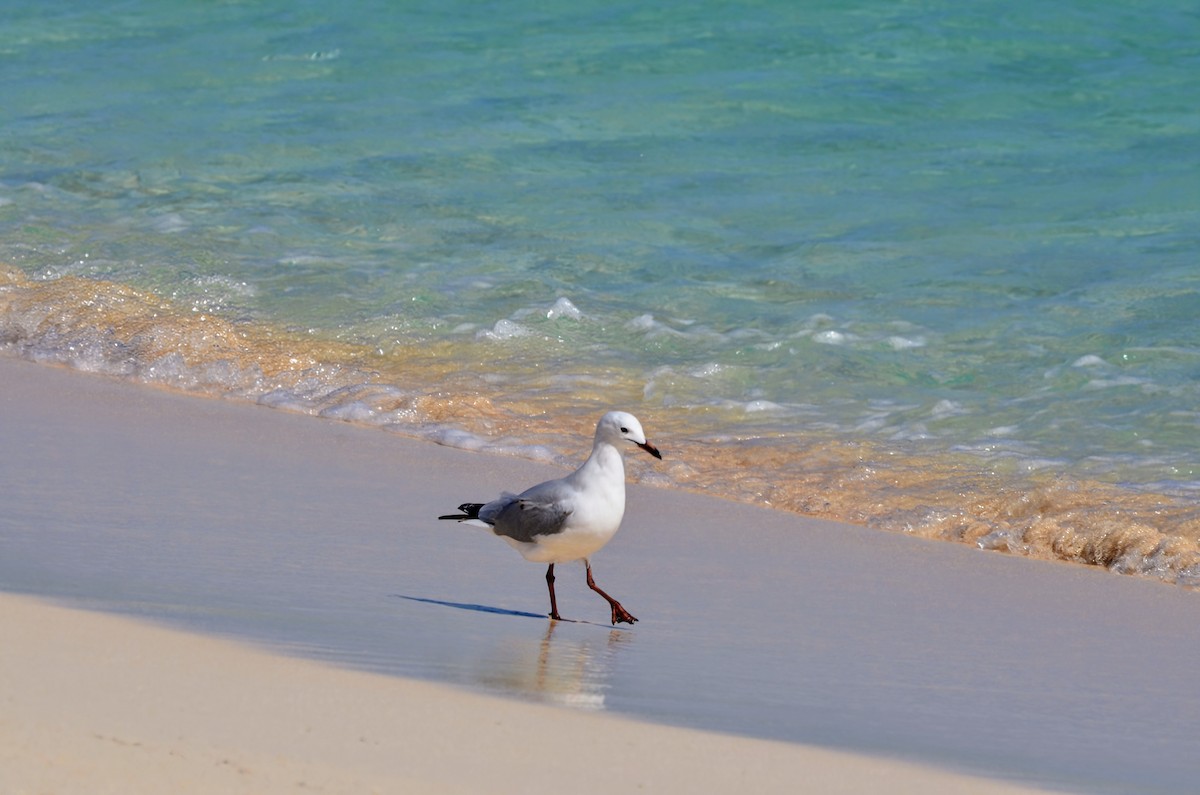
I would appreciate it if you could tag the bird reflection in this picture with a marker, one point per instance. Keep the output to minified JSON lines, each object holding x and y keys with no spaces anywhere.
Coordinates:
{"x":564,"y":667}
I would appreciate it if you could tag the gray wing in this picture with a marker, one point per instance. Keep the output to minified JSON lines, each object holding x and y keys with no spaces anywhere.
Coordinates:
{"x":525,"y":517}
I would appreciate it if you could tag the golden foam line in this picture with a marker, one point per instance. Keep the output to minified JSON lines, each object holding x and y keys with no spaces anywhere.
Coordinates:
{"x":153,"y":327}
{"x":945,"y":496}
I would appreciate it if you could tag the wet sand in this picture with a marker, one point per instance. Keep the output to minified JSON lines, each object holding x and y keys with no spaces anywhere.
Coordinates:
{"x":98,"y":704}
{"x":802,"y":650}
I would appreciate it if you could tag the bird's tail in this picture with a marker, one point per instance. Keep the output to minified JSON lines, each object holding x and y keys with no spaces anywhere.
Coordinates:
{"x":470,"y":510}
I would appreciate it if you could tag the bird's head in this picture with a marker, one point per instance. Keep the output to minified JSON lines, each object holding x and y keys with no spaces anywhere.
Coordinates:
{"x":617,"y":427}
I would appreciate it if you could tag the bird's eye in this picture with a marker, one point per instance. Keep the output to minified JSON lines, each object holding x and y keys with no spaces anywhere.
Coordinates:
{"x":624,"y":430}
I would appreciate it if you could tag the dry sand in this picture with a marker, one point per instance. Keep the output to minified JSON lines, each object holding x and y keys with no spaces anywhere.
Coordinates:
{"x":828,"y":658}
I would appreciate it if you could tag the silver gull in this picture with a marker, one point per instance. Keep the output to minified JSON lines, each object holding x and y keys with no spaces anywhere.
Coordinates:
{"x":569,"y":518}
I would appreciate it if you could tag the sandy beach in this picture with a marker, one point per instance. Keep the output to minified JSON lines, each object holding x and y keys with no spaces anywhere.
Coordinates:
{"x":100,"y":704}
{"x":211,"y":596}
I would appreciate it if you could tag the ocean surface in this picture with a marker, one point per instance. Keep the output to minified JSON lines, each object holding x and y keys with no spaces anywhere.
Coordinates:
{"x":930,"y":267}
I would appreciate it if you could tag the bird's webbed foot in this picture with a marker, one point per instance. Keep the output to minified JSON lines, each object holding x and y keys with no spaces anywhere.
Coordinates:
{"x":621,"y":616}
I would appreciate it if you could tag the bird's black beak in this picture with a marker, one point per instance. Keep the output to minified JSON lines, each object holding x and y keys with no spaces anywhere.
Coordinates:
{"x":649,"y":448}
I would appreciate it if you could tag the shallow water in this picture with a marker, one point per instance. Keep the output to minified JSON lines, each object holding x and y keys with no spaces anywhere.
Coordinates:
{"x":926,"y":267}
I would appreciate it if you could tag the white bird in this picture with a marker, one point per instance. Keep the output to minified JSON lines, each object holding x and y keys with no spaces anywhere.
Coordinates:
{"x":570,"y":518}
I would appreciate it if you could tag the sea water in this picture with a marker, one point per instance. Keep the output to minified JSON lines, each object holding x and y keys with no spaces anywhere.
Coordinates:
{"x":929,"y":266}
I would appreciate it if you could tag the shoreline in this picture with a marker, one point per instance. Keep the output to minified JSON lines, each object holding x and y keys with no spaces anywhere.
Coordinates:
{"x":1032,"y":508}
{"x":318,"y":540}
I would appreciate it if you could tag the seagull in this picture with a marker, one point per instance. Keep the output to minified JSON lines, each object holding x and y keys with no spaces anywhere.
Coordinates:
{"x":570,"y":518}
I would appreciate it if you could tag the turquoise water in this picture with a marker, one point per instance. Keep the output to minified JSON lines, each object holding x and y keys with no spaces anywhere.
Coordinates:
{"x":916,"y":232}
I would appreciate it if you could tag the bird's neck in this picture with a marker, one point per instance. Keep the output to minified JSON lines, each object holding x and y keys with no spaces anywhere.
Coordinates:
{"x":606,"y":459}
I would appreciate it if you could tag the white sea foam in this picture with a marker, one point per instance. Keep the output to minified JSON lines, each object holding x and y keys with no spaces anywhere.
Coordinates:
{"x":285,"y":399}
{"x":456,"y":437}
{"x":563,"y":308}
{"x":707,"y":370}
{"x":225,"y":285}
{"x":354,"y":411}
{"x":653,"y":328}
{"x":504,"y":329}
{"x":830,"y":337}
{"x":905,"y":343}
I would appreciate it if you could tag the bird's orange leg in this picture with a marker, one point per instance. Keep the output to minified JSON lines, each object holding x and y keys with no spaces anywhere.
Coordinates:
{"x":619,"y":614}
